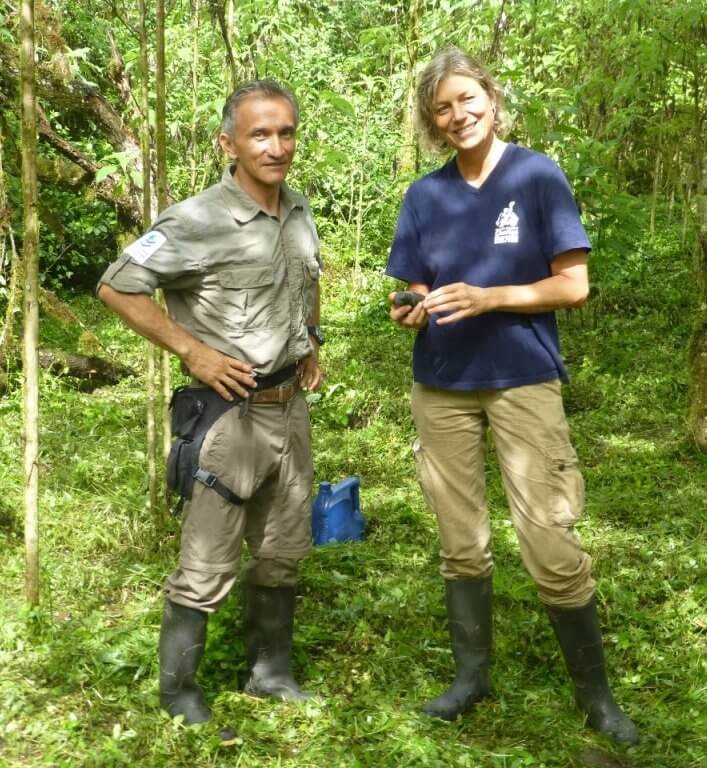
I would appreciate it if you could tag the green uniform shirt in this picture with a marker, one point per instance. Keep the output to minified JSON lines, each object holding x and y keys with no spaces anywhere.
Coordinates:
{"x":235,"y":277}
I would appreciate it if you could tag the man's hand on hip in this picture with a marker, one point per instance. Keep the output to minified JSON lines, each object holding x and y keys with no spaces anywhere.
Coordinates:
{"x":222,"y":373}
{"x":309,"y":373}
{"x":143,"y":315}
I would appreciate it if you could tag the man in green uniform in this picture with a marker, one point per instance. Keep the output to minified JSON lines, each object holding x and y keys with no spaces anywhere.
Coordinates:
{"x":239,"y":265}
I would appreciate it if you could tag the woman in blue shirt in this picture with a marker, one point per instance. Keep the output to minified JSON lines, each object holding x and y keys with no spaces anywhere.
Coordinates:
{"x":493,"y":243}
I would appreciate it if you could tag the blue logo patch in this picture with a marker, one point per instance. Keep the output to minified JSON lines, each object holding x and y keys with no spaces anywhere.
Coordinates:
{"x":151,"y":238}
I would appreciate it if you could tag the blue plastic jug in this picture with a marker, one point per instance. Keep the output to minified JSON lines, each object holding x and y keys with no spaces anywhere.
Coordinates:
{"x":336,"y":512}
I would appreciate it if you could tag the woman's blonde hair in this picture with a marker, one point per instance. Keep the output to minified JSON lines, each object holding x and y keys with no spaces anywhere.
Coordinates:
{"x":454,"y":61}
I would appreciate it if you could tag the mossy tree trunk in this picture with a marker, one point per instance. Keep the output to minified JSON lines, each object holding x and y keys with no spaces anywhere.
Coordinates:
{"x":408,"y":154}
{"x":698,"y":404}
{"x":30,"y":258}
{"x":225,"y":12}
{"x":150,"y":350}
{"x":10,"y":271}
{"x":698,"y":358}
{"x":162,"y":203}
{"x":194,"y":149}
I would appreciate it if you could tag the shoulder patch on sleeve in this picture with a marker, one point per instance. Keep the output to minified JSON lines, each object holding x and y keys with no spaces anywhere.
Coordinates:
{"x":141,"y":250}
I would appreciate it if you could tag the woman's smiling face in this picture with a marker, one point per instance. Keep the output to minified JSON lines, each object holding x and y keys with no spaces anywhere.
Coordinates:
{"x":464,"y":113}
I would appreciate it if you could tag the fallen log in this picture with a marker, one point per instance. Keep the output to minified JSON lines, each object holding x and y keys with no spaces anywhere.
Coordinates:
{"x":91,"y":372}
{"x":94,"y":370}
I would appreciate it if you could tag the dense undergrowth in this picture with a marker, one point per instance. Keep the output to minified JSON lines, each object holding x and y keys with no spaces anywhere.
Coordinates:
{"x":78,"y":680}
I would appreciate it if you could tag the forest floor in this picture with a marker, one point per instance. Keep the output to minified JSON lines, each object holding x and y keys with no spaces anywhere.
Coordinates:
{"x":78,"y":675}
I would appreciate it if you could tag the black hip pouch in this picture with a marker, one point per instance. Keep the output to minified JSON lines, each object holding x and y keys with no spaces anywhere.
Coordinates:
{"x":194,"y":411}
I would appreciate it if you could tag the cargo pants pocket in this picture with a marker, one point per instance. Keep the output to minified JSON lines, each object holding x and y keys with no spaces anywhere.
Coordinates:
{"x":565,"y":485}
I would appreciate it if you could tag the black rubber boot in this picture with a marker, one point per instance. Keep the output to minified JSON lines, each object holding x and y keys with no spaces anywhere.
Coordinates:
{"x":182,"y":641}
{"x":578,"y":632}
{"x":269,"y":622}
{"x":469,"y":617}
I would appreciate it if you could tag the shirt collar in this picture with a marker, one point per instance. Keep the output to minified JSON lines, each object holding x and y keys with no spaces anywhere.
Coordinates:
{"x":244,"y":208}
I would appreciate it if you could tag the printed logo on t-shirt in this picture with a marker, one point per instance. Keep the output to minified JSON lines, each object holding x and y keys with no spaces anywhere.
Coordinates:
{"x":141,"y":250}
{"x":507,"y":225}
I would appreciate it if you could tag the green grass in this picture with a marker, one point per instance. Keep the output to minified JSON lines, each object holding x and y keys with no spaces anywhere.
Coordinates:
{"x":78,"y":680}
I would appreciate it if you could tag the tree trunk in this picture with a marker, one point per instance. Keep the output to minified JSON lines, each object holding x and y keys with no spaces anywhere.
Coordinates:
{"x":232,"y":79}
{"x":498,"y":27}
{"x":162,"y":202}
{"x":407,"y":155}
{"x":686,"y":203}
{"x":698,"y":404}
{"x":194,"y":158}
{"x":151,"y":431}
{"x":145,"y":123}
{"x":9,"y":265}
{"x":94,"y":370}
{"x":231,"y":67}
{"x":30,"y":257}
{"x":160,"y":109}
{"x":150,"y":351}
{"x":8,"y":343}
{"x":358,"y":275}
{"x":656,"y":190}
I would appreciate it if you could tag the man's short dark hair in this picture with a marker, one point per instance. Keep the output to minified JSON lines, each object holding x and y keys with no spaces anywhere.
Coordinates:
{"x":267,"y":88}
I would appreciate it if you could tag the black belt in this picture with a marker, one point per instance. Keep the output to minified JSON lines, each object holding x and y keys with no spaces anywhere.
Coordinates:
{"x":273,"y":379}
{"x":263,"y":383}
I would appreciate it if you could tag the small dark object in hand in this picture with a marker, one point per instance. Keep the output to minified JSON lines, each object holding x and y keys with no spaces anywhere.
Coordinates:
{"x":407,"y":298}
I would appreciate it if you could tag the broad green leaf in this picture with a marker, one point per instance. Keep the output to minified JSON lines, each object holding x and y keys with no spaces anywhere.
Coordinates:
{"x":339,"y":103}
{"x":104,"y":172}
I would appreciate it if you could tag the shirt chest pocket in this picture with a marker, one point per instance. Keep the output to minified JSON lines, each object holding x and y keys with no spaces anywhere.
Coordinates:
{"x":309,"y":276}
{"x":247,"y":294}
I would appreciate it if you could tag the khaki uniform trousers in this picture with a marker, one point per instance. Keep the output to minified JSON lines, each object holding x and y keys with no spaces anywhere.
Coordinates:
{"x":265,"y":457}
{"x":542,"y":481}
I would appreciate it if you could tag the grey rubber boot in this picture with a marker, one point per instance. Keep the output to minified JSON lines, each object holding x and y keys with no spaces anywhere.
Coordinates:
{"x":182,"y":641}
{"x":578,"y":632}
{"x":469,"y":605}
{"x":269,"y":623}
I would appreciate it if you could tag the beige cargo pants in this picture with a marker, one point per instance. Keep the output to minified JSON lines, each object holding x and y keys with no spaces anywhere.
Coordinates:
{"x":264,"y":457}
{"x":543,"y":484}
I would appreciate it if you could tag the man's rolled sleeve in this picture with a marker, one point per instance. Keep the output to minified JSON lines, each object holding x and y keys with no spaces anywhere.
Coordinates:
{"x":166,"y":253}
{"x":124,"y":276}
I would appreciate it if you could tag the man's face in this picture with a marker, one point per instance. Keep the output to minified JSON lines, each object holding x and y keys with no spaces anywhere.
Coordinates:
{"x":263,"y":141}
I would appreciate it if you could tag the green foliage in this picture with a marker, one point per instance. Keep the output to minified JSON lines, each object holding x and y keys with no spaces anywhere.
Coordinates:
{"x":78,"y":239}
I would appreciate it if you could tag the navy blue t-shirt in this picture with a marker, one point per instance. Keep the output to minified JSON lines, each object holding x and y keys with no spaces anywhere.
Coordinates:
{"x":507,"y":232}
